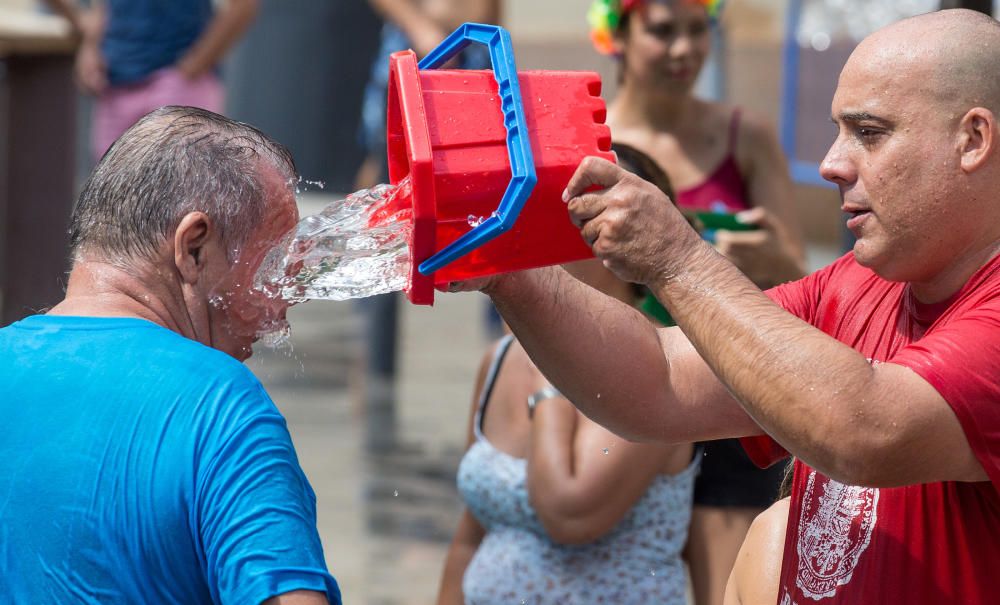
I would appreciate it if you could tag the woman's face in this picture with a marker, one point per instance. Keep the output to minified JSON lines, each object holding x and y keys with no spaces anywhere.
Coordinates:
{"x":665,"y":44}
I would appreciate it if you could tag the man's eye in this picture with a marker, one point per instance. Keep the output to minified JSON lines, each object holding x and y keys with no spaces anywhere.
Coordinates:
{"x":869,"y":134}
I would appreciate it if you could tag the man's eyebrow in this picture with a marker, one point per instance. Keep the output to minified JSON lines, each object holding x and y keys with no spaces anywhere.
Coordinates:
{"x":860,"y":116}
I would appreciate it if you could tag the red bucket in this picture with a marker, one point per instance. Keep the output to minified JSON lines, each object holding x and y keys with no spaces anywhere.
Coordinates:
{"x":446,"y":132}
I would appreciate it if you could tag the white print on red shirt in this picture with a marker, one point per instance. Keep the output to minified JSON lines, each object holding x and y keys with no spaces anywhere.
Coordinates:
{"x":835,"y":528}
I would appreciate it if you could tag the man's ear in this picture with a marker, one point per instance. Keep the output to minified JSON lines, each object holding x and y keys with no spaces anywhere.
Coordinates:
{"x":193,"y":233}
{"x":978,"y":138}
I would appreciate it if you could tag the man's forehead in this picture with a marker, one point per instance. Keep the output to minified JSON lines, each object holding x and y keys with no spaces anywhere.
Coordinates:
{"x":879,"y":82}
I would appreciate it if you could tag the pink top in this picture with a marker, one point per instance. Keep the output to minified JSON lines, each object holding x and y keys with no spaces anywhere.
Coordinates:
{"x":724,"y":190}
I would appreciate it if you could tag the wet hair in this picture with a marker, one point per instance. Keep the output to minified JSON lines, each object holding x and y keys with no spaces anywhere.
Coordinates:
{"x":174,"y":161}
{"x":785,"y":489}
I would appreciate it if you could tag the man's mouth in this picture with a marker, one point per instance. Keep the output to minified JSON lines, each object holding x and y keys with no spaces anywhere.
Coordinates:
{"x":857,"y":217}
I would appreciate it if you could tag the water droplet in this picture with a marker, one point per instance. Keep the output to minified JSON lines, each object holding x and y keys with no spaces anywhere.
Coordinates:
{"x":652,"y":572}
{"x":395,"y":493}
{"x":606,"y":451}
{"x":218,"y":301}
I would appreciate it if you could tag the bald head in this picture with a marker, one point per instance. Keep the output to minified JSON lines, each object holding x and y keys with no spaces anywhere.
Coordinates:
{"x":949,"y":57}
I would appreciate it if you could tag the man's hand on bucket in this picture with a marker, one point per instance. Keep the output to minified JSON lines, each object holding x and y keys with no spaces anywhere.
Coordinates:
{"x":482,"y":284}
{"x":628,"y":223}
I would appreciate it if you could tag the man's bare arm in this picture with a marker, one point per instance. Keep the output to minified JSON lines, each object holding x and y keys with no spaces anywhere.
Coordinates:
{"x":859,"y":423}
{"x":610,"y":361}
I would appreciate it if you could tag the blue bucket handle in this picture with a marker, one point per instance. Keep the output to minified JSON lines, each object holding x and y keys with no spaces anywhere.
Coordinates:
{"x":522,"y":164}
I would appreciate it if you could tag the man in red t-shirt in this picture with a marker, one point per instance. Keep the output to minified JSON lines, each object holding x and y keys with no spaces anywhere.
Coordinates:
{"x":880,"y":373}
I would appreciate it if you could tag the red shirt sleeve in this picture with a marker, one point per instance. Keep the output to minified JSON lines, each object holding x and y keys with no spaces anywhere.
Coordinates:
{"x":762,"y":450}
{"x":961,"y":359}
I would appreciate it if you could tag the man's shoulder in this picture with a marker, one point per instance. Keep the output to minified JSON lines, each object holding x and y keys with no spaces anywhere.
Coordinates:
{"x":129,"y":348}
{"x":172,"y":353}
{"x":191,"y":356}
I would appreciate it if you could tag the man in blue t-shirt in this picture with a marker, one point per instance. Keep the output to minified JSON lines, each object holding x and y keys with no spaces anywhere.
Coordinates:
{"x":142,"y":462}
{"x":137,"y":55}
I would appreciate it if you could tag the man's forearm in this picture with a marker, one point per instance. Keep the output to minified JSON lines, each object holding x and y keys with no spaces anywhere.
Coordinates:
{"x":803,"y":387}
{"x":609,"y":360}
{"x":222,"y":32}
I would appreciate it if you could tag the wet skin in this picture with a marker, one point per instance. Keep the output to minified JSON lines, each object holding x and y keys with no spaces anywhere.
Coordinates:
{"x":238,"y":313}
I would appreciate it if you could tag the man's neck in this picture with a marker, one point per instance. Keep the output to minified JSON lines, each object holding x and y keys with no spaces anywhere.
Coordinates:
{"x":949,"y":281}
{"x":100,"y":289}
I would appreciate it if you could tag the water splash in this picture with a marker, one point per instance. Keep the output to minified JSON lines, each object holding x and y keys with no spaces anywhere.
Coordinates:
{"x":353,"y":248}
{"x":277,"y":337}
{"x":301,"y":185}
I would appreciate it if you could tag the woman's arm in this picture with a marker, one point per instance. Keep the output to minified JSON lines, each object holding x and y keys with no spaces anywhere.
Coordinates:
{"x":773,"y":254}
{"x":464,"y":544}
{"x":583,"y":479}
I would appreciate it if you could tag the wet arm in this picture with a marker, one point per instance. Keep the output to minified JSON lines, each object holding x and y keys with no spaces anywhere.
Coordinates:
{"x":228,"y":24}
{"x":879,"y":425}
{"x":608,"y":359}
{"x":859,"y":423}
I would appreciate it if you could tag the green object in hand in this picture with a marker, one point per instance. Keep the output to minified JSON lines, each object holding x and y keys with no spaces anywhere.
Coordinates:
{"x":652,"y":307}
{"x":722,"y":220}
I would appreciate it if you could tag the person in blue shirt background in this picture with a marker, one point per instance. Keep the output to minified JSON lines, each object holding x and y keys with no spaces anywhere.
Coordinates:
{"x":137,"y":55}
{"x":142,"y":462}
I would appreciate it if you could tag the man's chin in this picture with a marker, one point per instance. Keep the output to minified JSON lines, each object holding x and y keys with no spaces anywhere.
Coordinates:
{"x":880,"y":264}
{"x":274,"y":334}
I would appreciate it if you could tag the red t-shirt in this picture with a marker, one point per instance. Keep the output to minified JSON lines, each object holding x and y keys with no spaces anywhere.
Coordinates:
{"x":934,"y":543}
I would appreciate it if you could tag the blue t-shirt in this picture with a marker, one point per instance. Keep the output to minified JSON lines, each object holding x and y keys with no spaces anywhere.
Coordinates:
{"x":142,"y":36}
{"x":138,"y":466}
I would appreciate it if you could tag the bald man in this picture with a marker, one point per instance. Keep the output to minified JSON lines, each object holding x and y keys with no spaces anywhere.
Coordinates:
{"x":880,"y":374}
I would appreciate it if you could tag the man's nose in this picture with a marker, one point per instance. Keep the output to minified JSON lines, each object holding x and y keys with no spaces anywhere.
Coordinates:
{"x":836,"y":167}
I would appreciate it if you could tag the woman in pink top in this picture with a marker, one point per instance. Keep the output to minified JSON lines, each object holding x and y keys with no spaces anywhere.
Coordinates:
{"x":720,"y":159}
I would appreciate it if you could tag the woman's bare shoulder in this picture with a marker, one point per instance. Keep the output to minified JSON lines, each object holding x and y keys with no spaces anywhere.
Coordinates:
{"x":757,"y":570}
